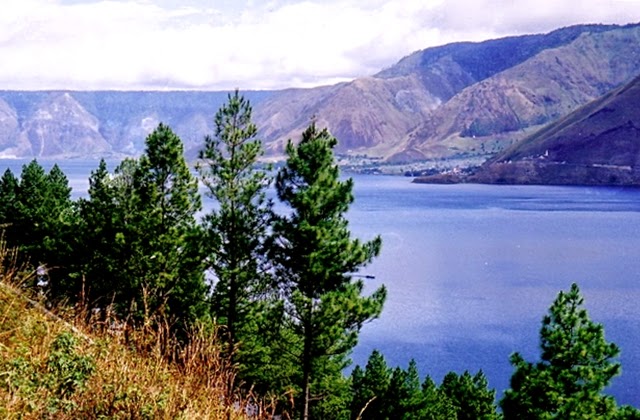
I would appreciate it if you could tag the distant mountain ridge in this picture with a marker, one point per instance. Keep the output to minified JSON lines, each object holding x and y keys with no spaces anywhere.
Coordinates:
{"x":69,"y":124}
{"x":461,"y":99}
{"x":481,"y":60}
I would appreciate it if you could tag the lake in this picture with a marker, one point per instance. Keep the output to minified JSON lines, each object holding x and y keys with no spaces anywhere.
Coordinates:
{"x":472,"y":269}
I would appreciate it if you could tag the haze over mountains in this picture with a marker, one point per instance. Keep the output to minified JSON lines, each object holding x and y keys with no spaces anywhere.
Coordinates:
{"x":460,"y":99}
{"x":75,"y":124}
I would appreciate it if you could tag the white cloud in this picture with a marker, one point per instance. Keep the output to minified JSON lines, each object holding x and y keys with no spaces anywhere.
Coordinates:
{"x":170,"y":44}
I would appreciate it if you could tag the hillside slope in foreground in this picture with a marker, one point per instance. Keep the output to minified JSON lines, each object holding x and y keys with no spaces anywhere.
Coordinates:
{"x":52,"y":368}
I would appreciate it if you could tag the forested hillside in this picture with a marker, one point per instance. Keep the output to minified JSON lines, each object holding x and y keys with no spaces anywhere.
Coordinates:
{"x":280,"y":291}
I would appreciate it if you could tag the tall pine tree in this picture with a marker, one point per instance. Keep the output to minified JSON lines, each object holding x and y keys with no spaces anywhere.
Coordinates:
{"x":237,"y":228}
{"x":316,"y":257}
{"x":244,"y":299}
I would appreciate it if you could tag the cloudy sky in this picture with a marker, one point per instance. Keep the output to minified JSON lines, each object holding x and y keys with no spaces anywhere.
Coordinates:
{"x":252,"y":44}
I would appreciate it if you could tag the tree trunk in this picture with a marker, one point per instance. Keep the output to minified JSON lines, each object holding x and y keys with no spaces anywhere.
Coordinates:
{"x":306,"y":367}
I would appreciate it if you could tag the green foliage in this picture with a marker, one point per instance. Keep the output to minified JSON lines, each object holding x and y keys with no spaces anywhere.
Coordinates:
{"x":315,"y":256}
{"x":107,"y":237}
{"x":167,"y":264}
{"x":403,"y":397}
{"x":333,"y":391}
{"x":38,"y":217}
{"x":235,"y":243}
{"x":9,"y":185}
{"x":627,"y":412}
{"x":412,"y":396}
{"x":236,"y":230}
{"x":44,"y":207}
{"x":98,"y":224}
{"x":64,"y":373}
{"x":69,"y":369}
{"x":577,"y":363}
{"x":435,"y":405}
{"x":381,"y":393}
{"x":470,"y":396}
{"x":370,"y":387}
{"x":141,"y":239}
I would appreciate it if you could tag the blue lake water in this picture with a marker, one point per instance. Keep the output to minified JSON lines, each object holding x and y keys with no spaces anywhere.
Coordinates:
{"x":471,"y":269}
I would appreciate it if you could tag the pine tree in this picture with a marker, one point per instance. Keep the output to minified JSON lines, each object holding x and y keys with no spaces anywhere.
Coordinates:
{"x":470,"y":396}
{"x":334,"y":392}
{"x":413,"y":399}
{"x":577,"y":363}
{"x":167,"y":260}
{"x":114,"y":201}
{"x":435,"y":404}
{"x":142,"y":237}
{"x":62,"y":240}
{"x":9,"y":185}
{"x":98,"y":256}
{"x":32,"y":216}
{"x":369,"y":387}
{"x":42,"y":225}
{"x":404,"y":398}
{"x":236,"y":230}
{"x":359,"y":395}
{"x":316,"y":257}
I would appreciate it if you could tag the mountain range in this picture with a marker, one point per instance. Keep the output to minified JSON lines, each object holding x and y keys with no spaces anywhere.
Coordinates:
{"x":456,"y":100}
{"x":75,"y":124}
{"x":463,"y":98}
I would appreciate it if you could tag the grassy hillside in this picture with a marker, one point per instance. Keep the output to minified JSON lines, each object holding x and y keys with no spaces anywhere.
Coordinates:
{"x":62,"y":367}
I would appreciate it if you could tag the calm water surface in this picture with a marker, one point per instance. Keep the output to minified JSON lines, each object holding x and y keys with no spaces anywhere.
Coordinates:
{"x":471,"y":269}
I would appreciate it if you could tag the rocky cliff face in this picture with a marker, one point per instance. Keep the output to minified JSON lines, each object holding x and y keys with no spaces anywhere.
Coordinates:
{"x":9,"y":132}
{"x":61,"y":126}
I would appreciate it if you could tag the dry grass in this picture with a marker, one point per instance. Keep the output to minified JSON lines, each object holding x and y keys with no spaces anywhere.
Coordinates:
{"x":50,"y":368}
